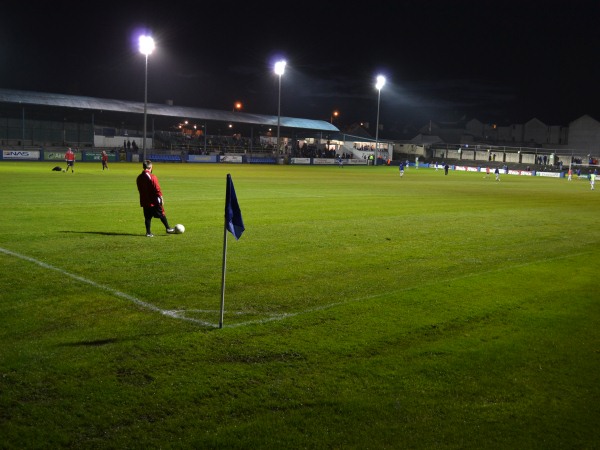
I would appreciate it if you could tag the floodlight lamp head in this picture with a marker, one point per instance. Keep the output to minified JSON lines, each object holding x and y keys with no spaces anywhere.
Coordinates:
{"x":146,"y":45}
{"x":280,"y":67}
{"x":380,"y":82}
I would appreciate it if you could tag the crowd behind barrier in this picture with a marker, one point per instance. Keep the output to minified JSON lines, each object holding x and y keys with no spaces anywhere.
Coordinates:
{"x":199,"y":144}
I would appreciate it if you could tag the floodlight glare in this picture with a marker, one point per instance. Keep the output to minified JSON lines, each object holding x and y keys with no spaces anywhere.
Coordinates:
{"x":280,"y":67}
{"x":146,"y":45}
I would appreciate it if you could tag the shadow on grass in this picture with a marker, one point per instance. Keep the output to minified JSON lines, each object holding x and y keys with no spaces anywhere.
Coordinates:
{"x":105,"y":233}
{"x":100,"y":342}
{"x":95,"y":343}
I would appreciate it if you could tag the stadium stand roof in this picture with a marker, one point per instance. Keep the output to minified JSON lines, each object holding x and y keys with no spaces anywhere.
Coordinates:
{"x":32,"y":98}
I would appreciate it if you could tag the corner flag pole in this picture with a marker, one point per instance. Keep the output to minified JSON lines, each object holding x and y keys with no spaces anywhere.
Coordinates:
{"x":235,"y":225}
{"x":223,"y":275}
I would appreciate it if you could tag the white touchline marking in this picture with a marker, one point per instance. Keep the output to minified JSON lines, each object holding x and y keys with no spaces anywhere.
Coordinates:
{"x":180,"y":314}
{"x":174,"y":314}
{"x":398,"y":291}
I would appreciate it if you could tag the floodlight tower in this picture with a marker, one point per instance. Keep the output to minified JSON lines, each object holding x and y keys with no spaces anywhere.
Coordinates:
{"x":378,"y":85}
{"x":146,"y":48}
{"x":279,"y":70}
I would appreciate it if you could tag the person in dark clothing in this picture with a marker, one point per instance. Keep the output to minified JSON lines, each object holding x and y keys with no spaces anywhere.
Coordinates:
{"x":151,"y":199}
{"x":104,"y":158}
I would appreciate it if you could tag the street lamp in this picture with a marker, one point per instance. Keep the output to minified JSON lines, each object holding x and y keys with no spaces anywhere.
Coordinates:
{"x":333,"y":114}
{"x":279,"y":69}
{"x":146,"y":48}
{"x":380,"y":83}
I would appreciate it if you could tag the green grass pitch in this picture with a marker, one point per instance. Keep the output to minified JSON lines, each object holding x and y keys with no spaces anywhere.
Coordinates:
{"x":362,"y":310}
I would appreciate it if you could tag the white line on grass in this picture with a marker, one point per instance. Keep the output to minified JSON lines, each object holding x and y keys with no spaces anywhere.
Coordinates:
{"x":406,"y":289}
{"x":174,"y":314}
{"x":180,"y":314}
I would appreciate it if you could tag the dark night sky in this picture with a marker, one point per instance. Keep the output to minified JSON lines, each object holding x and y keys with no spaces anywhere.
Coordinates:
{"x":501,"y":61}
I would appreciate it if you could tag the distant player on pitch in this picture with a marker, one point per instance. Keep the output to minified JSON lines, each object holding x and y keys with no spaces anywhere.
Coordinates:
{"x":70,"y":159}
{"x":104,"y":160}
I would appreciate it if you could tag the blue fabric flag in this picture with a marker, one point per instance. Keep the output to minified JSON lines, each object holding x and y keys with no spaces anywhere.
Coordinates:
{"x":233,"y":215}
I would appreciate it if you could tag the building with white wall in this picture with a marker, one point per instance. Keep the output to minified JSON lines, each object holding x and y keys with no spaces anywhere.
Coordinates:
{"x":584,"y":135}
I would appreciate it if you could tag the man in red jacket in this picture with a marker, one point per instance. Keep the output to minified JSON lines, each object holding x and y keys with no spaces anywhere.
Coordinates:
{"x":104,"y":160}
{"x":151,"y":198}
{"x":70,"y":158}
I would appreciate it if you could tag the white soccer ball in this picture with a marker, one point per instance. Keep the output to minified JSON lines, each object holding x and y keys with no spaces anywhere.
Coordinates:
{"x":179,"y":229}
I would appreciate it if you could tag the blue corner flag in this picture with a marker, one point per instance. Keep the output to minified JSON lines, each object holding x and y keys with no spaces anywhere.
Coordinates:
{"x":233,"y":215}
